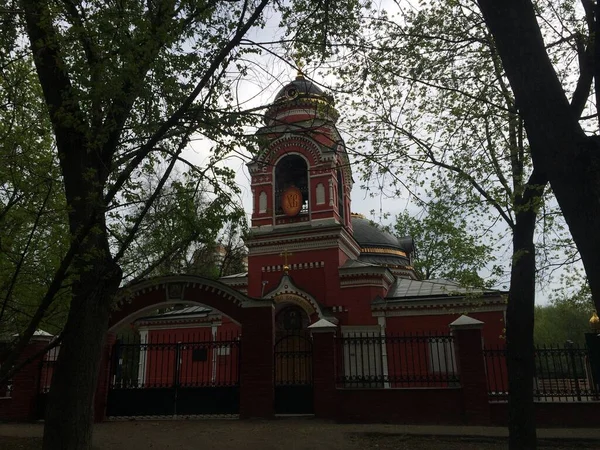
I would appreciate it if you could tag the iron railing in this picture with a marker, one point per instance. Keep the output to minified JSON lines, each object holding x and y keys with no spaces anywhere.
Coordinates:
{"x":396,"y":361}
{"x":176,"y":364}
{"x":47,"y":370}
{"x":561,"y":373}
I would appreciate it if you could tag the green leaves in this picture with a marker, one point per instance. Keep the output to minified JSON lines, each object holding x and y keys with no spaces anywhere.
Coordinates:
{"x":446,"y":246}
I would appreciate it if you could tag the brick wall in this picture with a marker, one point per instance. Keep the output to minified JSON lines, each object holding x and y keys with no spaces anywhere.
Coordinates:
{"x":22,"y":405}
{"x":412,"y":406}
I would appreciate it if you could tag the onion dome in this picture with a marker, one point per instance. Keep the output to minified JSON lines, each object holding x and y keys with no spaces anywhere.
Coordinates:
{"x":304,"y":95}
{"x":380,"y":247}
{"x":595,"y":322}
{"x":299,"y":87}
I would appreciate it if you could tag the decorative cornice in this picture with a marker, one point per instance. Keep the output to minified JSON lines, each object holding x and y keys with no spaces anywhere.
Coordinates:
{"x":496,"y":303}
{"x":298,"y":266}
{"x":304,"y":239}
{"x":175,"y":287}
{"x":365,"y":281}
{"x":382,"y":250}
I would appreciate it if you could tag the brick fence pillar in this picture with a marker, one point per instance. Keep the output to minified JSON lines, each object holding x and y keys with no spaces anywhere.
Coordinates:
{"x":468,"y":347}
{"x":325,"y":401}
{"x":257,"y":392}
{"x":101,"y":395}
{"x":22,"y":404}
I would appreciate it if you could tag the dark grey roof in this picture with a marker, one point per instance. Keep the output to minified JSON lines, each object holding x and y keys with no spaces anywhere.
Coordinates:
{"x":300,"y":86}
{"x":179,"y":313}
{"x":235,"y":275}
{"x":407,"y":288}
{"x":188,"y":310}
{"x":352,"y":263}
{"x":368,"y":234}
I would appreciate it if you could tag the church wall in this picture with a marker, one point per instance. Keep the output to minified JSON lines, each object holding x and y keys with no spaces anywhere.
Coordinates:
{"x":157,"y":363}
{"x":357,"y":300}
{"x":321,"y":280}
{"x":492,"y":330}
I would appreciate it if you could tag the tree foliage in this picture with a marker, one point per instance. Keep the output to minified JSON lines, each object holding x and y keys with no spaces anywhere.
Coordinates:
{"x":124,"y":86}
{"x":563,"y":320}
{"x":445,"y":246}
{"x":32,"y":204}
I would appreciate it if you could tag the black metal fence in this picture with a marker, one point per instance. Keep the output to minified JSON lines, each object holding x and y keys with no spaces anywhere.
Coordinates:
{"x":45,"y":380}
{"x":177,"y":377}
{"x":396,"y":361}
{"x":562,"y":373}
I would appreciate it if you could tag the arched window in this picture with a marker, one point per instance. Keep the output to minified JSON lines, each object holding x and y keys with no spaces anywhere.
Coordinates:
{"x":291,"y":170}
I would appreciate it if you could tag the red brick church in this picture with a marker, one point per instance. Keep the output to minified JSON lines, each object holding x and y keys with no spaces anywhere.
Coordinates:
{"x":330,"y":319}
{"x":317,"y":261}
{"x":314,"y":258}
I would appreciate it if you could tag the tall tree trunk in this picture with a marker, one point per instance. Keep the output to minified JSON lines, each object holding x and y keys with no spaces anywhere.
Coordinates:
{"x":69,"y":416}
{"x":559,"y":147}
{"x":519,"y":333}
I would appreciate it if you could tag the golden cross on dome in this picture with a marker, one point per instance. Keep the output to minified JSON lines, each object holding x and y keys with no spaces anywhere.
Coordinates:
{"x":297,"y":58}
{"x":285,"y":254}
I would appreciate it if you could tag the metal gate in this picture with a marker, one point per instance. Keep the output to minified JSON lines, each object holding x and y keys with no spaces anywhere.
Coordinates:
{"x":167,"y":379}
{"x":293,"y":374}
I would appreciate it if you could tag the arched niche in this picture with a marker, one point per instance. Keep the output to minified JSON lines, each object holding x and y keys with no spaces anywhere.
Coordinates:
{"x":291,"y":170}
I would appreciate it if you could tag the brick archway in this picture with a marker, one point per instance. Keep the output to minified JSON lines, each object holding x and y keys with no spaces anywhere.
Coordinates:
{"x":255,"y":317}
{"x":152,"y":293}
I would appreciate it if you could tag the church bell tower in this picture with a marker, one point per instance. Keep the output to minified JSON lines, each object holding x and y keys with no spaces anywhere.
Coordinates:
{"x":301,"y":183}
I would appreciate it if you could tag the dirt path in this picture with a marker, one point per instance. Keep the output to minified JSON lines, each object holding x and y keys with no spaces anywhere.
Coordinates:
{"x":288,"y":434}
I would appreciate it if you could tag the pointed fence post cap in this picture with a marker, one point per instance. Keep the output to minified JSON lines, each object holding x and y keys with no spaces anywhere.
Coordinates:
{"x":322,"y":326}
{"x":466,"y":323}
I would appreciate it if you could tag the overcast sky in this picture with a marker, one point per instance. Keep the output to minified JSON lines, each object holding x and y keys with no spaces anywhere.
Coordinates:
{"x":266,"y":77}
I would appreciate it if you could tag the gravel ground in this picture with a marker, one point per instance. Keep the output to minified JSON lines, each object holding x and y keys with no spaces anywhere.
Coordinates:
{"x":273,"y":435}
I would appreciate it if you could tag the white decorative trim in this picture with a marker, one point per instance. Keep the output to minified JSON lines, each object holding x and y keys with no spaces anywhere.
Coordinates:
{"x":176,"y":326}
{"x":320,"y":194}
{"x":466,"y":323}
{"x":331,"y":192}
{"x":262,"y":202}
{"x":142,"y":358}
{"x":127,"y":293}
{"x":296,"y":266}
{"x":287,"y":287}
{"x":440,"y":311}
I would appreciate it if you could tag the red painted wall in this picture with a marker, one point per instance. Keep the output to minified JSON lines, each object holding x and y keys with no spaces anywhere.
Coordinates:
{"x":216,"y":361}
{"x":414,"y":406}
{"x":492,"y":331}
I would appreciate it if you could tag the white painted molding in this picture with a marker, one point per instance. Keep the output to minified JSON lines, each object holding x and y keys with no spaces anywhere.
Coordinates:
{"x":322,"y":326}
{"x":466,"y":323}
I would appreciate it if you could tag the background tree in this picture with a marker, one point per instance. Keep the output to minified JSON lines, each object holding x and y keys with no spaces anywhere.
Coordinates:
{"x":561,"y":321}
{"x":32,"y":204}
{"x":446,"y":247}
{"x":564,"y":144}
